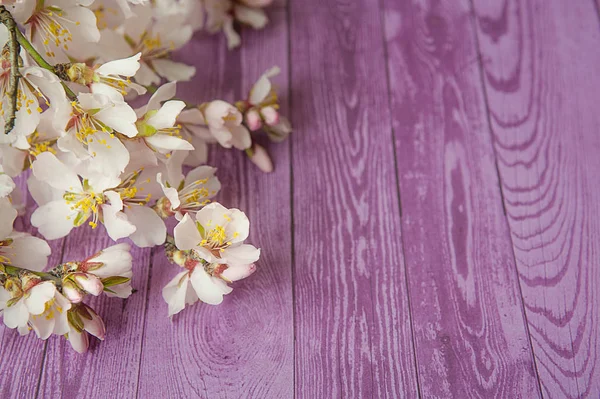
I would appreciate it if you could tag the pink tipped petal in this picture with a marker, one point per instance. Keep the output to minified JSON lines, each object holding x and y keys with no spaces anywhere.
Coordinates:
{"x":253,"y":120}
{"x":95,"y":326}
{"x":271,"y":115}
{"x":238,"y":272}
{"x":89,"y":283}
{"x":260,"y":157}
{"x":79,"y":341}
{"x":72,"y":293}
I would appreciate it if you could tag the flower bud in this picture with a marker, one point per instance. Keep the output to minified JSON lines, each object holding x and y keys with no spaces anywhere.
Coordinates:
{"x":89,"y":283}
{"x":94,"y":324}
{"x":238,"y":272}
{"x":80,"y":73}
{"x":72,"y":292}
{"x":260,"y":157}
{"x":253,"y":120}
{"x":270,"y":115}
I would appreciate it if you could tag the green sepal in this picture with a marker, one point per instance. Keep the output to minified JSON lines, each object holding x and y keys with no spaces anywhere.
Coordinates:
{"x":114,"y":280}
{"x":75,"y":321}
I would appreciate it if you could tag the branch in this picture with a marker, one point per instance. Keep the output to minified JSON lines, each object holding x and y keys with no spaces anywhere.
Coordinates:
{"x":13,"y":82}
{"x":37,"y":57}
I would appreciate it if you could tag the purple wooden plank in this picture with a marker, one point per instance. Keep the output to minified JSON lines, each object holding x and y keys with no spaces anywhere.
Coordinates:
{"x":540,"y":60}
{"x":353,"y":334}
{"x":243,"y":347}
{"x":111,"y":367}
{"x":470,"y":332}
{"x":21,"y":357}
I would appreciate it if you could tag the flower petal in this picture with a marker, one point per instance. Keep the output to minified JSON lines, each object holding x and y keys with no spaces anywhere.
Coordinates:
{"x":50,"y":170}
{"x":150,"y":228}
{"x":174,"y":293}
{"x":209,"y":289}
{"x":54,"y":219}
{"x":186,"y":234}
{"x":241,"y":254}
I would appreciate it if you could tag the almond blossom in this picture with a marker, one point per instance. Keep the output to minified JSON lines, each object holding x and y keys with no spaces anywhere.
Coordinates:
{"x":16,"y":248}
{"x":195,"y":130}
{"x":84,"y":321}
{"x":194,"y":192}
{"x":95,"y":160}
{"x":157,"y":124}
{"x":201,"y":280}
{"x":36,"y":86}
{"x":217,"y":234}
{"x":153,"y":37}
{"x":15,"y":160}
{"x":89,"y":125}
{"x":221,"y":15}
{"x":70,"y":202}
{"x":261,"y":109}
{"x":111,"y":78}
{"x":28,"y":302}
{"x":59,"y":27}
{"x":225,"y":124}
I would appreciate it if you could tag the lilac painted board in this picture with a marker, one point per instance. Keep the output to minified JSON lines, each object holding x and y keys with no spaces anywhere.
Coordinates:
{"x":21,"y":357}
{"x":110,"y":368}
{"x":353,"y":335}
{"x":243,"y":347}
{"x":470,"y":333}
{"x":540,"y":60}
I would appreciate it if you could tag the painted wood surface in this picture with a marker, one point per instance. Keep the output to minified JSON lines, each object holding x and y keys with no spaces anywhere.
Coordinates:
{"x":470,"y":333}
{"x":353,"y":333}
{"x":21,"y":358}
{"x":452,"y":111}
{"x":244,"y":347}
{"x":540,"y":61}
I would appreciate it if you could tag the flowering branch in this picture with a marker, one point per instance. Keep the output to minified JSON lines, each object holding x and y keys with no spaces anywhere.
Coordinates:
{"x":13,"y":50}
{"x":96,"y":161}
{"x":37,"y":57}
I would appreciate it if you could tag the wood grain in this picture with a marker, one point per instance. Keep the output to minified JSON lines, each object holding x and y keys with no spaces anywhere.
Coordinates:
{"x":540,"y":61}
{"x":21,"y":357}
{"x":244,"y":347}
{"x":111,"y":367}
{"x":470,"y":332}
{"x":353,"y":335}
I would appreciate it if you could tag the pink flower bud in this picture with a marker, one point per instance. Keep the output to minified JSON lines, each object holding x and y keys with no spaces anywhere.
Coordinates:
{"x":238,"y":272}
{"x":257,"y":3}
{"x":79,"y":341}
{"x":89,"y":283}
{"x":260,"y":157}
{"x":95,"y":326}
{"x":253,"y":120}
{"x":271,"y":115}
{"x":70,"y":290}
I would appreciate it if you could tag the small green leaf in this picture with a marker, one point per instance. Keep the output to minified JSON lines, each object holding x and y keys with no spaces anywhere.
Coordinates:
{"x":114,"y":280}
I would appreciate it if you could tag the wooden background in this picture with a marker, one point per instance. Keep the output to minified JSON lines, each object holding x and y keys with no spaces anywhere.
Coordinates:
{"x":431,"y":228}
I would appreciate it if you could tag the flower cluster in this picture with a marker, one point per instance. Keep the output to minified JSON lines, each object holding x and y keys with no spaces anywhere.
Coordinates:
{"x":68,"y":74}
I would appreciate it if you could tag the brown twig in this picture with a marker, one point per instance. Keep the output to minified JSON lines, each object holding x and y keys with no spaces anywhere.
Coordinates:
{"x":13,"y":82}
